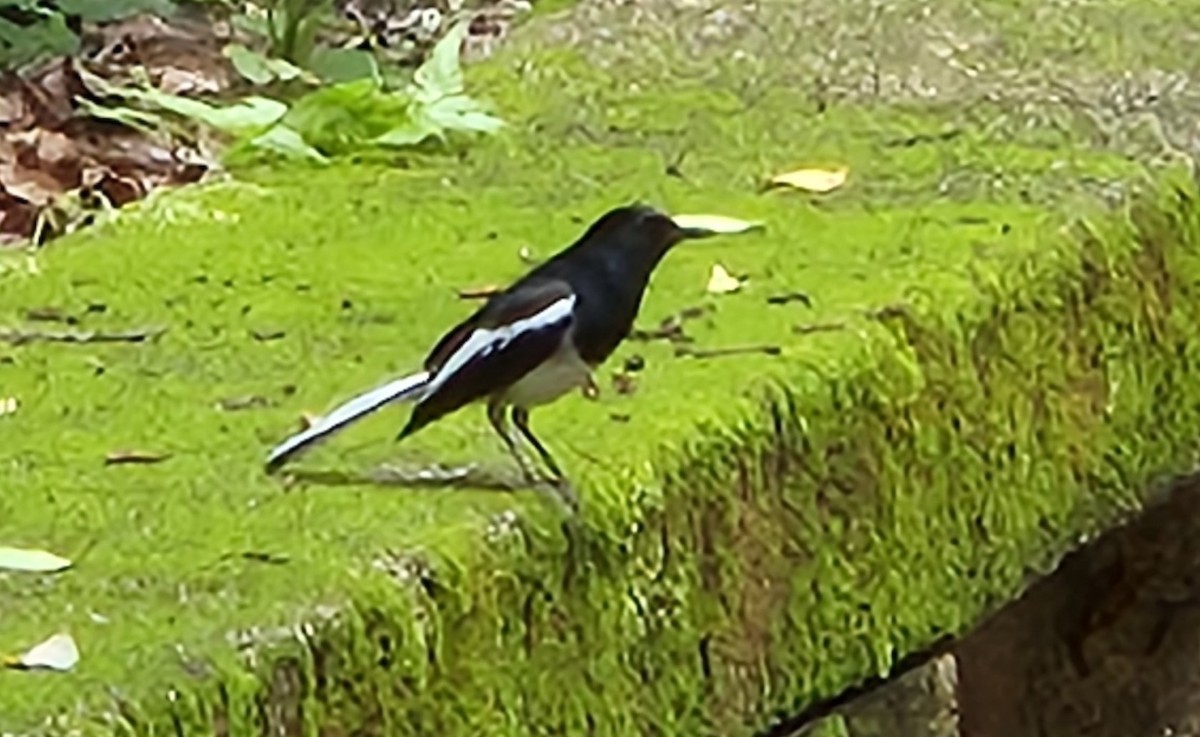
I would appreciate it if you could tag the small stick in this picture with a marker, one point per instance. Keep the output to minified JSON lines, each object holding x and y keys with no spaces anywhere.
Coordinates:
{"x":20,"y":337}
{"x":483,"y":292}
{"x":818,"y":327}
{"x":688,"y":351}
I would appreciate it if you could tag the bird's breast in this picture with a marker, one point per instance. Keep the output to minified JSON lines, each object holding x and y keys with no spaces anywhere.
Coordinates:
{"x":565,"y":371}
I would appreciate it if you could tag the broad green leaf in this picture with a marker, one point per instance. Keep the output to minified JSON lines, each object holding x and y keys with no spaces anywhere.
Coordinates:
{"x":250,"y":114}
{"x":49,"y":36}
{"x":102,"y":11}
{"x":441,"y":74}
{"x":260,"y":69}
{"x":347,"y":116}
{"x":345,"y":65}
{"x":461,"y":113}
{"x":138,"y":119}
{"x":288,"y":142}
{"x":411,"y":133}
{"x":185,"y":106}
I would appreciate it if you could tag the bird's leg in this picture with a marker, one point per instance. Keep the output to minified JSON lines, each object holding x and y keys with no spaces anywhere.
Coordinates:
{"x":566,"y":493}
{"x":495,"y":413}
{"x":521,"y":420}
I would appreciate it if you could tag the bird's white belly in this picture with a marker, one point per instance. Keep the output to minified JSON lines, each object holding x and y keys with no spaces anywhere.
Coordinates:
{"x":564,"y":372}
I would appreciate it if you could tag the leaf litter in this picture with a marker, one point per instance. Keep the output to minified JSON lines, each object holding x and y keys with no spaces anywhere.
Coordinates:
{"x":92,"y":131}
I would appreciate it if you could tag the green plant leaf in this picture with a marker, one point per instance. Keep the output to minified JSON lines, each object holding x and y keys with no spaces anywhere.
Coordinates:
{"x":410,"y":133}
{"x":461,"y":113}
{"x":287,"y":142}
{"x":246,"y":116}
{"x":260,"y":69}
{"x":345,"y":65}
{"x":137,"y":119}
{"x":47,"y":36}
{"x":102,"y":11}
{"x":441,"y":74}
{"x":345,"y":117}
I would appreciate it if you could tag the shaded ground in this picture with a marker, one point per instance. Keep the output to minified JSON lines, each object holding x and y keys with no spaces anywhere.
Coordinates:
{"x":1105,"y":645}
{"x":721,"y":613}
{"x":1114,"y":75}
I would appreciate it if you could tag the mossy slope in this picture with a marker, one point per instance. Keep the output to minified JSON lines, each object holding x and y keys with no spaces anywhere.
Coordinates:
{"x":758,"y":531}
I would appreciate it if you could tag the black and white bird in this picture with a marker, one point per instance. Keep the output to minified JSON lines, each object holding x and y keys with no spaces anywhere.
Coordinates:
{"x":531,"y":343}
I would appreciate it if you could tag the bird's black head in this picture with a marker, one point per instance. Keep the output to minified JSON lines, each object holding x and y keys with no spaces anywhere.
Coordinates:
{"x":638,"y":227}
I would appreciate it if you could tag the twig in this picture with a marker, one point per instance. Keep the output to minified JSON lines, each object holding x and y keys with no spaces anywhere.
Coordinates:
{"x":134,"y":457}
{"x":483,"y":292}
{"x":671,"y":328}
{"x":688,"y":351}
{"x":818,"y":327}
{"x":264,"y":336}
{"x":783,"y":299}
{"x":17,"y":336}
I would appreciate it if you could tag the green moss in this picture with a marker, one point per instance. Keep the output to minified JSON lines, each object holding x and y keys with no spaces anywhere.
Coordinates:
{"x":760,"y":532}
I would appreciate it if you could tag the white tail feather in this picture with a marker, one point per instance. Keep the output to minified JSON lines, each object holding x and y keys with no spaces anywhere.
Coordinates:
{"x":408,"y":388}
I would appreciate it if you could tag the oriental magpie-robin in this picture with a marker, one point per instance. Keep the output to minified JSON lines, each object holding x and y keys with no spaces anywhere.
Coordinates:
{"x":531,"y":343}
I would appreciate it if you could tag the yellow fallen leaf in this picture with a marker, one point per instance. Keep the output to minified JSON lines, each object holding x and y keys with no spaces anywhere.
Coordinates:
{"x":704,"y":225}
{"x":59,"y":652}
{"x":8,"y":405}
{"x":722,"y":282}
{"x":28,"y":559}
{"x":812,"y":180}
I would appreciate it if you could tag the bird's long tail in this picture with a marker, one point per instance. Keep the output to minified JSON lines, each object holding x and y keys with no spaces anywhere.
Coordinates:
{"x":408,"y":388}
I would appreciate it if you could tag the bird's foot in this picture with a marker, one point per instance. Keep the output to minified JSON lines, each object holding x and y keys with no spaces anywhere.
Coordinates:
{"x":565,"y":491}
{"x":562,"y":490}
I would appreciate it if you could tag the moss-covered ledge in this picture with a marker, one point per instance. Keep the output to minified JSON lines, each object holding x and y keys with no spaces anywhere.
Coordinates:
{"x":1012,"y":369}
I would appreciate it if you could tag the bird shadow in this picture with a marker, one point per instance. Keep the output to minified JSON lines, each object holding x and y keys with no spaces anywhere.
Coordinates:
{"x":439,"y":476}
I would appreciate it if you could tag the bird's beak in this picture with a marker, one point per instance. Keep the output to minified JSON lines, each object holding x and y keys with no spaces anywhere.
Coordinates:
{"x":692,"y":227}
{"x":692,"y":233}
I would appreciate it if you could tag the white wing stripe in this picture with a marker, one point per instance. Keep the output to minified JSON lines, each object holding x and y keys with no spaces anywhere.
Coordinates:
{"x":483,"y":342}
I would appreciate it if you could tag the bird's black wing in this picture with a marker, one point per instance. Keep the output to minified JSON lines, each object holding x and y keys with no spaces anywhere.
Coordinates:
{"x":511,"y":335}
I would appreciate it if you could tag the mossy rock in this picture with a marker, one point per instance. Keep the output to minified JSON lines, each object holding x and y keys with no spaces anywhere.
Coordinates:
{"x":999,"y":360}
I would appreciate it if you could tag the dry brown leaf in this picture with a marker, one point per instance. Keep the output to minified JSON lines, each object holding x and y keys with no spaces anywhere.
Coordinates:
{"x":721,"y":281}
{"x":624,"y":383}
{"x":29,"y":185}
{"x":181,"y":56}
{"x":12,"y":107}
{"x":812,"y":180}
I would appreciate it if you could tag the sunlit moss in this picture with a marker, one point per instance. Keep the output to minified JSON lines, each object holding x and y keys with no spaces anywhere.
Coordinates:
{"x":790,"y":524}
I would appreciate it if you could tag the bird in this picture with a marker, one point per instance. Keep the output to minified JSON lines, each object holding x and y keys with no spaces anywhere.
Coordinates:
{"x":530,"y":343}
